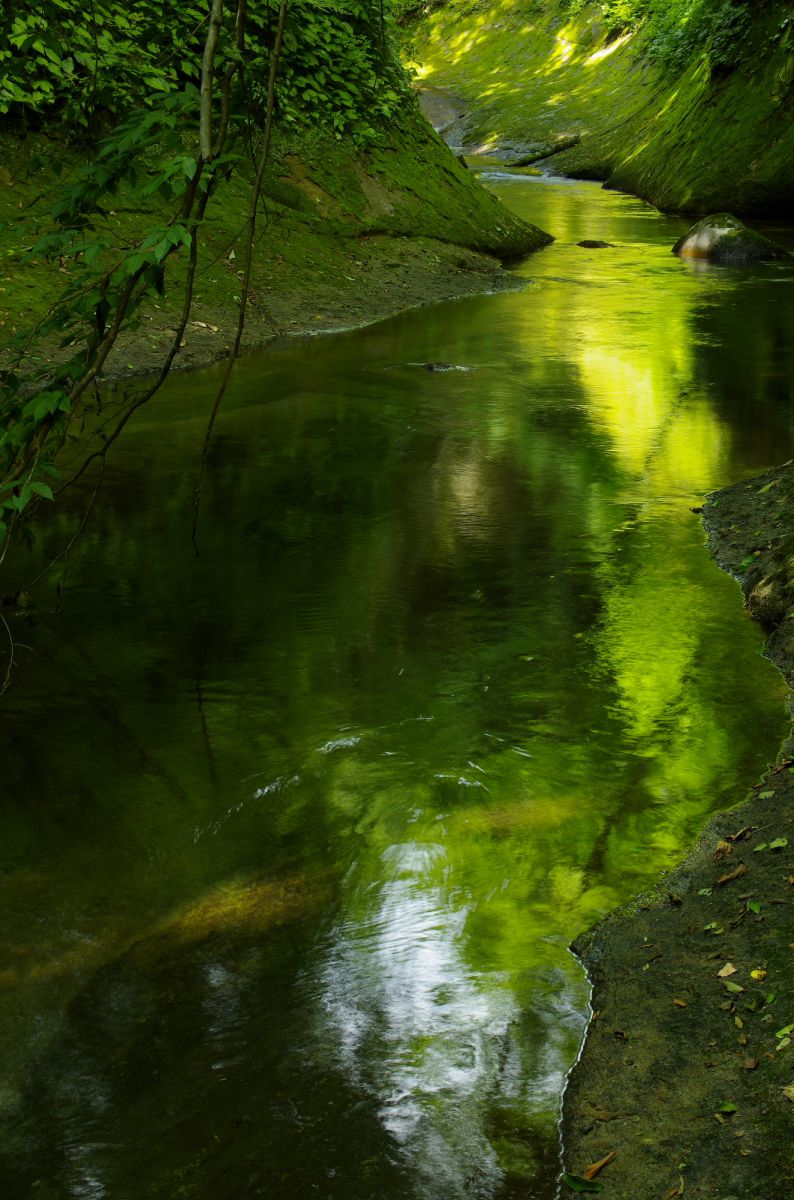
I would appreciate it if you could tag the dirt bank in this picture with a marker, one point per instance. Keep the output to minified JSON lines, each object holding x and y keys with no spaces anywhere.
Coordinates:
{"x":689,"y":1053}
{"x":389,"y":276}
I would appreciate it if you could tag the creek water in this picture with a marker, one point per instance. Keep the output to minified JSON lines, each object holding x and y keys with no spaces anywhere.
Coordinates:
{"x":294,"y":835}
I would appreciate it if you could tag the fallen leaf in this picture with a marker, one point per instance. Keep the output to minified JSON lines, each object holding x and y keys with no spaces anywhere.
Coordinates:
{"x":678,"y":1190}
{"x":759,"y":973}
{"x":728,"y":1106}
{"x":754,"y":906}
{"x":750,"y":1064}
{"x":738,"y":1022}
{"x":788,"y":1092}
{"x":778,"y":844}
{"x":741,"y":835}
{"x":737,"y":874}
{"x":728,"y":969}
{"x":723,"y":849}
{"x":680,"y":1003}
{"x":577,"y":1184}
{"x":765,"y":795}
{"x":732,"y":987}
{"x":595,"y":1168}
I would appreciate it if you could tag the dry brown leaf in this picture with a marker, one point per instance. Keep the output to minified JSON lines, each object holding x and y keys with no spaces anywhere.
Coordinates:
{"x":680,"y":1003}
{"x":722,"y":851}
{"x":750,"y":1064}
{"x":678,"y":1190}
{"x":595,"y":1168}
{"x":728,"y":969}
{"x":737,"y":874}
{"x":741,"y":835}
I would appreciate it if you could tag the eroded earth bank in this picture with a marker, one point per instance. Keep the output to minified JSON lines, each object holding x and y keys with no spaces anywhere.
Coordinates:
{"x":686,"y":1073}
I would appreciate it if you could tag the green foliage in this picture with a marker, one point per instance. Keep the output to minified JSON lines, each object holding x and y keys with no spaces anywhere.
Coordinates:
{"x":684,"y":29}
{"x":340,"y":67}
{"x":81,"y":62}
{"x":132,"y":67}
{"x":680,"y":31}
{"x":93,"y":64}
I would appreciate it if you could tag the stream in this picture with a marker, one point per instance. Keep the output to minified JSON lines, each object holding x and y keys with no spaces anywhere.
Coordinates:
{"x":295,"y":835}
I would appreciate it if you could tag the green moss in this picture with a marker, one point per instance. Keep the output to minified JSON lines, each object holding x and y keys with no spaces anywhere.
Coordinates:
{"x":334,"y":214}
{"x":693,"y":143}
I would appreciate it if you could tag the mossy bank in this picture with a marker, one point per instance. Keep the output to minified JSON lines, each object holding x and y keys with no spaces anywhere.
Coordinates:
{"x":350,"y":235}
{"x":535,"y":79}
{"x":688,"y":1065}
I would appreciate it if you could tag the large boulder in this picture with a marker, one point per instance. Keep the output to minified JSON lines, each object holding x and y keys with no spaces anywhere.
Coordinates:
{"x":724,"y":239}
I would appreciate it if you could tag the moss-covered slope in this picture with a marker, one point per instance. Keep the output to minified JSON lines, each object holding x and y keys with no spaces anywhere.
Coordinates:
{"x":530,"y":75}
{"x":350,"y":235}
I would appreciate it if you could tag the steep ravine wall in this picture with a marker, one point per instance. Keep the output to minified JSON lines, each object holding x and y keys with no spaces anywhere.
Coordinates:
{"x":530,"y":74}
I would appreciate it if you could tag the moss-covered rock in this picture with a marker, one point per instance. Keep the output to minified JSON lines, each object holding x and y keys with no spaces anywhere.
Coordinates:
{"x":725,"y":239}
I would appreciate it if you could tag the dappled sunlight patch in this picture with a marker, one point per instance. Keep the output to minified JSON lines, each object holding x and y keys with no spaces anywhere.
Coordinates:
{"x":608,"y":50}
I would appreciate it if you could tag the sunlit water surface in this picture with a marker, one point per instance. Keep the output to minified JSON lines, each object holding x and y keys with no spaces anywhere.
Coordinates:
{"x":295,"y":835}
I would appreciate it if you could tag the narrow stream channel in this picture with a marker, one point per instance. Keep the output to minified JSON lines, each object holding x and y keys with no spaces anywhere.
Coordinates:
{"x":294,"y":836}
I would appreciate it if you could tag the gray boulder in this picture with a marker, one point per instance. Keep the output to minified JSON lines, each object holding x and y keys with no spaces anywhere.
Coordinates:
{"x":725,"y":239}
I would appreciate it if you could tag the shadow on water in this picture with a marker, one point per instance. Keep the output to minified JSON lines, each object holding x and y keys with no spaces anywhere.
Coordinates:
{"x":295,"y":835}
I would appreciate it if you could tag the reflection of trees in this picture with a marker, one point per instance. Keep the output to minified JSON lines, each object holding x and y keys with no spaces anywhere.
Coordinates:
{"x":458,"y":631}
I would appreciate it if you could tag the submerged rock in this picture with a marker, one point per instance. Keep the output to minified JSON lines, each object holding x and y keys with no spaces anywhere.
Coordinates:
{"x":725,"y":239}
{"x":443,"y":366}
{"x":594,"y":244}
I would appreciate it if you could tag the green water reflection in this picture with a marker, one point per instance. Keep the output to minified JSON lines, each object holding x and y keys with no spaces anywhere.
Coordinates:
{"x":295,"y":835}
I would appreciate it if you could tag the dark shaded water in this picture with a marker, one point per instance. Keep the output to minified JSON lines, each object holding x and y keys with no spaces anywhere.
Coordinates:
{"x":294,"y":836}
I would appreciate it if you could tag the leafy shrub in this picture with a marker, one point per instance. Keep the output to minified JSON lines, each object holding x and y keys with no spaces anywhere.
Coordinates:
{"x":684,"y":29}
{"x":89,"y":65}
{"x":681,"y":31}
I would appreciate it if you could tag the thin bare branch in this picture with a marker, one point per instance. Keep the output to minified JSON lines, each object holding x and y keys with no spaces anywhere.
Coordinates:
{"x":207,"y":71}
{"x":10,"y":668}
{"x":264,"y":153}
